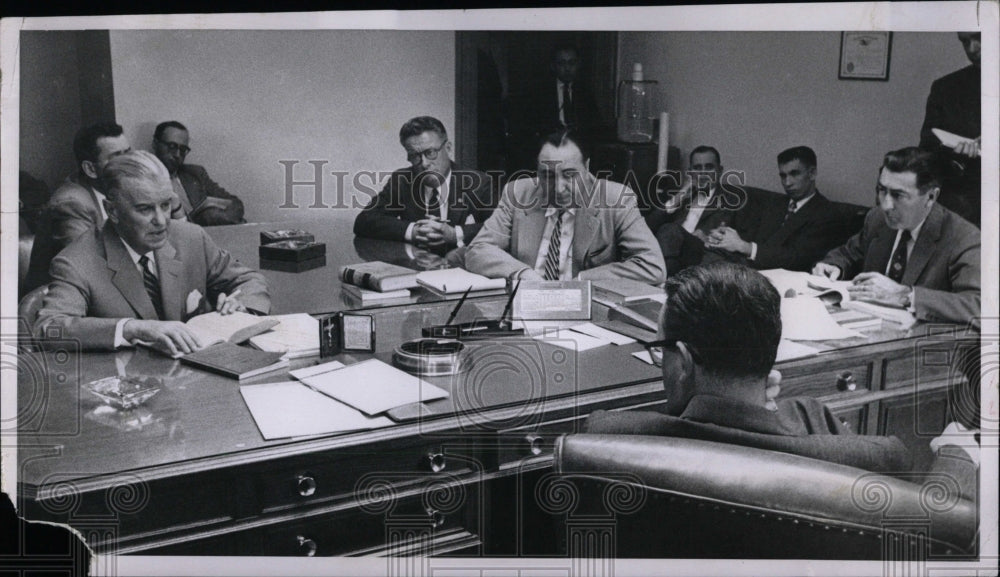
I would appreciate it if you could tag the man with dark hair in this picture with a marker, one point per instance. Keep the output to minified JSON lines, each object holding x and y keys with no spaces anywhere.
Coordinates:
{"x":912,"y":253}
{"x":200,"y":199}
{"x":77,"y":205}
{"x":143,"y":273}
{"x":718,"y":339}
{"x":953,"y":106}
{"x":432,"y":203}
{"x":566,"y":224}
{"x":705,"y":202}
{"x":792,"y":235}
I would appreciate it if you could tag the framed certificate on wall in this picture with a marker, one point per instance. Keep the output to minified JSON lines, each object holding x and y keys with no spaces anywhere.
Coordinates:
{"x":865,"y":55}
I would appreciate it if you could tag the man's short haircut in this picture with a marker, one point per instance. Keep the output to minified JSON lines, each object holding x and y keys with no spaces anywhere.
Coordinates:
{"x":85,"y":142}
{"x":566,"y":135}
{"x":803,"y":154}
{"x":923,"y":163}
{"x":728,"y":314}
{"x":419,"y":125}
{"x":703,"y":149}
{"x":161,"y":127}
{"x":126,"y":169}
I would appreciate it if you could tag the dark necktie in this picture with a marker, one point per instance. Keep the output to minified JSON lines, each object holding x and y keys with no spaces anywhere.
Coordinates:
{"x":790,"y":211}
{"x":551,"y":270}
{"x":897,"y":265}
{"x":152,"y":286}
{"x":569,"y":113}
{"x":433,"y":202}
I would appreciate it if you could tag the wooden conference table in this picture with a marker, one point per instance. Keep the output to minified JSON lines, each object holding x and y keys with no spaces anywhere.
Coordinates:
{"x":189,"y":472}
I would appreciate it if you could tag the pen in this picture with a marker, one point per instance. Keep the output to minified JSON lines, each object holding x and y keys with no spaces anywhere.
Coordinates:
{"x":510,"y":301}
{"x":461,"y":301}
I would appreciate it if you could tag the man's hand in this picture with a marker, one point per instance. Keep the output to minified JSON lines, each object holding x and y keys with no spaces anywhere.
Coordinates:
{"x":772,"y":390}
{"x":726,"y":238}
{"x":880,"y":289}
{"x":433,"y":233}
{"x":171,"y":336}
{"x":968,"y":148}
{"x":826,"y":269}
{"x":228,"y":304}
{"x":681,"y":197}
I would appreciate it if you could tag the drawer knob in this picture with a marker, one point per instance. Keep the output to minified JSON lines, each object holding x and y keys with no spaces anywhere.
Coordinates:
{"x":534,"y":443}
{"x":846,"y":381}
{"x":306,"y":485}
{"x":436,"y":462}
{"x":436,"y":518}
{"x":306,"y":545}
{"x":846,"y":423}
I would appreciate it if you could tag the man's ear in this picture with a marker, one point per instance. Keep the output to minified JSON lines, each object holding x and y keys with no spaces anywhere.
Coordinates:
{"x":687,"y":363}
{"x":932,"y":194}
{"x":89,"y":168}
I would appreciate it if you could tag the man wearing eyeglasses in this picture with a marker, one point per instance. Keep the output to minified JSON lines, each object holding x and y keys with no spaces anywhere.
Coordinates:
{"x":718,"y":341}
{"x":432,"y":203}
{"x":200,"y":199}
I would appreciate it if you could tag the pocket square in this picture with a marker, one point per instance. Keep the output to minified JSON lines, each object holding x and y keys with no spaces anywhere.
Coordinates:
{"x":194,"y":300}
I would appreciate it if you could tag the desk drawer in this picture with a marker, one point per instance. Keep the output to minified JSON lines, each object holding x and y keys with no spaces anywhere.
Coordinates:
{"x":926,"y":362}
{"x":314,"y":479}
{"x":828,"y":379}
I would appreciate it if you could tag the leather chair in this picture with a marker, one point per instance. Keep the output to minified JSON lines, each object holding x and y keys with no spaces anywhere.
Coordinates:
{"x":686,"y":498}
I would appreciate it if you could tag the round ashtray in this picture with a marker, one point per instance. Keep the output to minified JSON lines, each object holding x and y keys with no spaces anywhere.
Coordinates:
{"x":430,"y":357}
{"x":124,"y":392}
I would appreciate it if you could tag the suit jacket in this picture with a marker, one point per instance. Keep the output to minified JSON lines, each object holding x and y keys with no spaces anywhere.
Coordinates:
{"x":943,"y":267}
{"x":198,"y":187}
{"x":801,"y":426}
{"x":401,"y":202}
{"x":95,"y":283}
{"x":730,"y":203}
{"x":610,"y":239}
{"x":71,"y":210}
{"x":799,"y":242}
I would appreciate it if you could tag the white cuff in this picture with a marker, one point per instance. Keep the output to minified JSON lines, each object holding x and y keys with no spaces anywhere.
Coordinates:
{"x":119,"y":333}
{"x":408,"y":236}
{"x":753,"y":251}
{"x":912,"y":308}
{"x":459,"y":237}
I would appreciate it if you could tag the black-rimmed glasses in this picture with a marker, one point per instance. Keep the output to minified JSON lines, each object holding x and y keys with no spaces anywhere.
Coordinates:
{"x":174,"y":147}
{"x":655,"y":350}
{"x":429,"y":154}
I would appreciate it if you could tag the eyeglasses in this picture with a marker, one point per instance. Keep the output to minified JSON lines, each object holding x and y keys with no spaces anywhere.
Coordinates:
{"x":655,"y":350}
{"x":429,"y":154}
{"x":174,"y":147}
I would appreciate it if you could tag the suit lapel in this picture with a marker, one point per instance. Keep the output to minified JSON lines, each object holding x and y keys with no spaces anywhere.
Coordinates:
{"x":583,"y":235}
{"x":799,"y":219}
{"x":125,"y":276}
{"x":169,"y":270}
{"x":925,"y":246}
{"x":880,"y":248}
{"x":529,"y":237}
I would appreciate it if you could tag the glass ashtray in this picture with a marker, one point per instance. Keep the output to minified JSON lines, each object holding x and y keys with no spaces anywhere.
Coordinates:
{"x":124,"y":392}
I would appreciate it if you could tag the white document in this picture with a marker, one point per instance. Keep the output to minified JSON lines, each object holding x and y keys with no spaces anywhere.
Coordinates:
{"x":316,"y":370}
{"x":806,"y":319}
{"x":295,"y":334}
{"x":572,"y":340}
{"x":602,"y":333}
{"x":788,"y":350}
{"x":374,"y":387}
{"x":291,"y":409}
{"x":643,"y":356}
{"x":949,"y":139}
{"x":788,"y":282}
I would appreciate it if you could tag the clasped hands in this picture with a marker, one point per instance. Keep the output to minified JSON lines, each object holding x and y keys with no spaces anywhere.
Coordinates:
{"x":871,"y":287}
{"x":725,"y":238}
{"x":433,"y":232}
{"x":174,"y":337}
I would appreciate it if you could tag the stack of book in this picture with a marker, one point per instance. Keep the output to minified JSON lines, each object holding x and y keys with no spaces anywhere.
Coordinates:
{"x":376,"y":281}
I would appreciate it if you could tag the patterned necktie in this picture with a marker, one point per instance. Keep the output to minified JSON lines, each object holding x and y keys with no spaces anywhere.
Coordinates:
{"x":790,"y":211}
{"x":551,"y":271}
{"x":897,"y":265}
{"x":152,"y":286}
{"x":569,"y":115}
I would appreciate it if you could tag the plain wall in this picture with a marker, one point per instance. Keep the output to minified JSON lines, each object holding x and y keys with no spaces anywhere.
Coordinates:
{"x":754,"y":94}
{"x":252,"y":98}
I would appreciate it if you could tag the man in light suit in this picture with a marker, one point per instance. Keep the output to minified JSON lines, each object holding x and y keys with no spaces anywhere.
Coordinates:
{"x":566,"y":224}
{"x":432,"y":203}
{"x":200,"y":199}
{"x":791,"y":235}
{"x":142,"y":274}
{"x":78,"y":204}
{"x":912,"y":253}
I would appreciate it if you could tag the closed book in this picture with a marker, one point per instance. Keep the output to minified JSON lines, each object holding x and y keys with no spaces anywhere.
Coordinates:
{"x":623,"y":290}
{"x":234,"y":361}
{"x":370,"y":296}
{"x":379,"y":276}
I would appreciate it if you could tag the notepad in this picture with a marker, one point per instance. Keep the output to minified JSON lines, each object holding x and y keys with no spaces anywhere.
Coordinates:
{"x":291,"y":409}
{"x":374,"y":387}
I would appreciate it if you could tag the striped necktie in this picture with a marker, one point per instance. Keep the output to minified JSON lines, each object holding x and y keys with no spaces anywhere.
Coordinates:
{"x":551,"y":270}
{"x":152,"y":286}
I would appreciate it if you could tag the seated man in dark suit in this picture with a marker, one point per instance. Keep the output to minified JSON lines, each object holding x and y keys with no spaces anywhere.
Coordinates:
{"x":791,"y":236}
{"x":142,"y":274}
{"x":709,"y":199}
{"x":202,"y":200}
{"x":432,"y":203}
{"x":912,"y":253}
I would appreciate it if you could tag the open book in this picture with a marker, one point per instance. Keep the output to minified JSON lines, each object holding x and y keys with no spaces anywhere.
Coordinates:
{"x":451,"y":281}
{"x":212,"y":328}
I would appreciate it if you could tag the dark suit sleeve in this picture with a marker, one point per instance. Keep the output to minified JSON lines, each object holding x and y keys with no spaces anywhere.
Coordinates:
{"x":850,"y":256}
{"x":480,"y":198}
{"x":382,"y":217}
{"x":800,"y":251}
{"x":933,"y":117}
{"x":233,"y":214}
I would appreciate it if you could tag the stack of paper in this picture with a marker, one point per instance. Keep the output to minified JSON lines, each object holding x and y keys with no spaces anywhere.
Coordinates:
{"x":806,"y":319}
{"x":291,"y":409}
{"x":374,"y":387}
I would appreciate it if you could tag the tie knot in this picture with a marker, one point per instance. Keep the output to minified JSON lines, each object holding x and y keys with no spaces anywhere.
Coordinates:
{"x":905,"y":237}
{"x":791,"y":206}
{"x":144,"y":261}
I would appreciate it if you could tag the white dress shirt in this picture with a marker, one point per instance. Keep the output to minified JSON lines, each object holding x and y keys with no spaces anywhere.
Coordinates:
{"x":565,"y":242}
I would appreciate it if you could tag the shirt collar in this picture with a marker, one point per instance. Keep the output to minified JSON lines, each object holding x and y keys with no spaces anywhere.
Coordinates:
{"x":136,"y":256}
{"x":916,"y":230}
{"x":550,"y":211}
{"x":800,"y":203}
